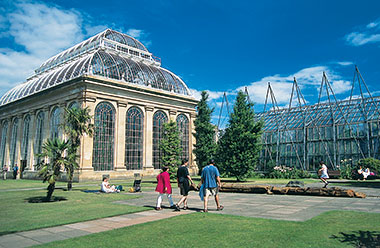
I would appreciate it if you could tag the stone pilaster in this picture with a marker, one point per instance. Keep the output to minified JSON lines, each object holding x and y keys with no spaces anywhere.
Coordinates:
{"x":148,"y":144}
{"x":172,"y":114}
{"x":32,"y":135}
{"x":120,"y":136}
{"x":7,"y":144}
{"x":87,"y":142}
{"x":18,"y":142}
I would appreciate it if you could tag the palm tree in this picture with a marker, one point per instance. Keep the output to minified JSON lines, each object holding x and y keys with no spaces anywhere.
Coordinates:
{"x":53,"y":152}
{"x":76,"y":124}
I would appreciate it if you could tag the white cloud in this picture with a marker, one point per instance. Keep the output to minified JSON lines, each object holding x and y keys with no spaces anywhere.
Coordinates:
{"x":140,"y":35}
{"x":37,"y":31}
{"x":41,"y":31}
{"x":368,"y":34}
{"x":212,"y":95}
{"x":341,"y":86}
{"x":344,"y":63}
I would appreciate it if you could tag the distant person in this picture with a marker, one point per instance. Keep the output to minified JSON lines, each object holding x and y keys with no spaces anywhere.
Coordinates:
{"x":183,"y":179}
{"x":364,"y":173}
{"x":15,"y":171}
{"x":210,"y":180}
{"x":164,"y":187}
{"x":107,"y":188}
{"x":5,"y":171}
{"x":324,"y":174}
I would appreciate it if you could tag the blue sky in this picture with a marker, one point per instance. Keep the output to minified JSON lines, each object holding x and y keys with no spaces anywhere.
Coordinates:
{"x":219,"y":46}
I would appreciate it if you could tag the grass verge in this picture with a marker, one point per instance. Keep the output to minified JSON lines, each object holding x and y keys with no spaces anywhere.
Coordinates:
{"x":18,"y":214}
{"x":331,"y":229}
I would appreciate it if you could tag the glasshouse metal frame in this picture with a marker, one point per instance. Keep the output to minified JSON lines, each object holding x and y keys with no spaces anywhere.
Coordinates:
{"x":337,"y":132}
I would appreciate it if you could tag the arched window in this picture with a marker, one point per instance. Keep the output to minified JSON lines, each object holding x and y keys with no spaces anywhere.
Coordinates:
{"x":104,"y":137}
{"x":12,"y":151}
{"x":25,"y":139}
{"x":39,"y":134}
{"x":183,"y":129}
{"x":159,"y":118}
{"x":54,"y":122}
{"x":134,"y":134}
{"x":3,"y":141}
{"x":73,"y":105}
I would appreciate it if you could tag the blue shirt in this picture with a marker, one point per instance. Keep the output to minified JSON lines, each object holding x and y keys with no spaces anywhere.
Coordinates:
{"x":209,"y":174}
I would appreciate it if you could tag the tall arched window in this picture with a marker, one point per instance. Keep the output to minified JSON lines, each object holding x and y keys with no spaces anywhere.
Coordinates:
{"x":183,"y":129}
{"x":54,"y":122}
{"x":73,"y":105}
{"x":39,"y":134}
{"x":25,"y":139}
{"x":104,"y":137}
{"x":134,"y":133}
{"x":12,"y":150}
{"x":3,"y":141}
{"x":159,"y":118}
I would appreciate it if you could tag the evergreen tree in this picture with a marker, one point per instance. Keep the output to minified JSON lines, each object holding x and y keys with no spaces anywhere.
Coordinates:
{"x":240,"y":146}
{"x":205,"y":146}
{"x":170,"y":148}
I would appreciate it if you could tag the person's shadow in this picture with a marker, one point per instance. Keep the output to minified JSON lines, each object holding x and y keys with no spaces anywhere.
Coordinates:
{"x":369,"y":239}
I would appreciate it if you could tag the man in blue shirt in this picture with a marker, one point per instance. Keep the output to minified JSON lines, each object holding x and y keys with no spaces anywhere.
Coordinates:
{"x":210,"y":179}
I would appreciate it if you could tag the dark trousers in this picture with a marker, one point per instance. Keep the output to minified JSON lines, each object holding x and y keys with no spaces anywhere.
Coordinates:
{"x":14,"y":174}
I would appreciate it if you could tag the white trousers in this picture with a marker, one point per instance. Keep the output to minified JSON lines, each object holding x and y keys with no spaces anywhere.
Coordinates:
{"x":159,"y":199}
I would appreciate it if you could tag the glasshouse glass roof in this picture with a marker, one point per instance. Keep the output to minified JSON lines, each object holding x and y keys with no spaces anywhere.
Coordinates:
{"x":323,"y":114}
{"x":109,"y":54}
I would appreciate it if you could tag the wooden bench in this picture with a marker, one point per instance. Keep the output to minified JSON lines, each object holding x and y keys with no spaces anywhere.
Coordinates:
{"x":332,"y":173}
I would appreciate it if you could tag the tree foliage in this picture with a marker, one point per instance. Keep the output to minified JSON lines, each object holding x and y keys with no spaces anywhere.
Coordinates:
{"x":239,"y":147}
{"x":52,"y":162}
{"x":170,"y":148}
{"x":77,"y":123}
{"x":371,"y":163}
{"x":205,"y":146}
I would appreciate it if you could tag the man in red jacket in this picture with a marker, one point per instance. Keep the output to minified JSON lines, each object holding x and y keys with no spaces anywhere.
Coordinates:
{"x":164,"y":187}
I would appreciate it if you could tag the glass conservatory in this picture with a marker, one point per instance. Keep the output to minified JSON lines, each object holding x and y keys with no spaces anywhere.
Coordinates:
{"x":130,"y":97}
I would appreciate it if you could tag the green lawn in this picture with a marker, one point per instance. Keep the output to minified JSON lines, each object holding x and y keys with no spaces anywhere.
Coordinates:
{"x":17,"y":214}
{"x":332,"y":229}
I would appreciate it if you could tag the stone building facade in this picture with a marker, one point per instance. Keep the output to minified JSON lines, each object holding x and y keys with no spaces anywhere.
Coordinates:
{"x":129,"y":95}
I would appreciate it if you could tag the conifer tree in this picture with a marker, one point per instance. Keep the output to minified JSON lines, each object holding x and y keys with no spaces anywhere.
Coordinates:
{"x":170,"y":148}
{"x":239,"y":147}
{"x":205,"y":146}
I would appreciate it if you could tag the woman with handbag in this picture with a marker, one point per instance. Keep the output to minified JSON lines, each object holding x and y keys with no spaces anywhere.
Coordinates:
{"x":183,"y":179}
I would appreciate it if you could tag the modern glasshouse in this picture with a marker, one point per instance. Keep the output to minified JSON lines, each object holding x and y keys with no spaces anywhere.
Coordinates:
{"x":128,"y":93}
{"x":333,"y":131}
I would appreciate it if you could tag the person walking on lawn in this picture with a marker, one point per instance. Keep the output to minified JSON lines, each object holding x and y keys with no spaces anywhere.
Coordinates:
{"x":183,"y":179}
{"x":324,"y":174}
{"x":210,"y":180}
{"x":164,"y":187}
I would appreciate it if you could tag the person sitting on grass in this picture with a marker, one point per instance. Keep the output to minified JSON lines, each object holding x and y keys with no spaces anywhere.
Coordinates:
{"x":107,"y":188}
{"x":324,"y":174}
{"x":364,"y":173}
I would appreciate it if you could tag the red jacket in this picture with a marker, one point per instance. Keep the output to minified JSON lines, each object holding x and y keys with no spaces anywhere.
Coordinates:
{"x":163,"y":181}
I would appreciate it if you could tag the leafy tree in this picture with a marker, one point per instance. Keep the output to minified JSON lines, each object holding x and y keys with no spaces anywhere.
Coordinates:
{"x":205,"y":146}
{"x":371,"y":163}
{"x":53,"y":152}
{"x":76,"y":124}
{"x":170,"y":148}
{"x":239,"y":147}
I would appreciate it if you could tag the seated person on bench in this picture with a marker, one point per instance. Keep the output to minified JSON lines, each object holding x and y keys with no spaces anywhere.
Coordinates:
{"x":107,"y":188}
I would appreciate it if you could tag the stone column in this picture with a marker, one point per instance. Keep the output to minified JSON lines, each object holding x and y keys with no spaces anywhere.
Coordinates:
{"x":148,"y":144}
{"x":18,"y":143}
{"x":87,"y":141}
{"x":46,"y":131}
{"x":172,"y":115}
{"x":62,"y":107}
{"x":120,"y":136}
{"x":192,"y":142}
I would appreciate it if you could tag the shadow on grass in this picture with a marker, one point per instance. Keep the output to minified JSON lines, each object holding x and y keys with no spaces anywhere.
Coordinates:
{"x":43,"y":199}
{"x":367,"y":239}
